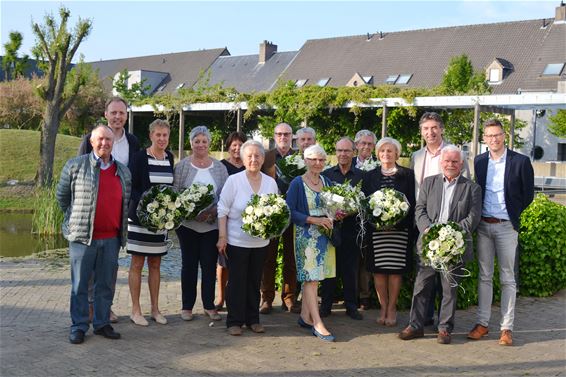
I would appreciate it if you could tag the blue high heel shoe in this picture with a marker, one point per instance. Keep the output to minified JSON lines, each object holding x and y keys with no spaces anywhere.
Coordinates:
{"x":327,"y":338}
{"x":303,"y":324}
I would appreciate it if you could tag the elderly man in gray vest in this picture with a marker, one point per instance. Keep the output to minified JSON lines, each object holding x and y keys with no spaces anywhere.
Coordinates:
{"x":94,"y":193}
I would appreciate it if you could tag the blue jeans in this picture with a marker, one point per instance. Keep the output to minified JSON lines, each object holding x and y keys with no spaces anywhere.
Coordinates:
{"x":497,"y":240}
{"x":100,"y":258}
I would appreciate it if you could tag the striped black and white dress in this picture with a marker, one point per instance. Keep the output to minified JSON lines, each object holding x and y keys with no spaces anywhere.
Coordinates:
{"x":140,"y":240}
{"x":388,"y":250}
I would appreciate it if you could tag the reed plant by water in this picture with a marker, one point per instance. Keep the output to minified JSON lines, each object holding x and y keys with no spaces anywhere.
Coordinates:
{"x":47,"y":216}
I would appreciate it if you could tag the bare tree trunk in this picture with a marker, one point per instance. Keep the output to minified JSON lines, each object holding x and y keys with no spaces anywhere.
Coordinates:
{"x":47,"y":146}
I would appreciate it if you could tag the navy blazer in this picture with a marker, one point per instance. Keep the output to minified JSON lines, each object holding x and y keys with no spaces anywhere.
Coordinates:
{"x":519,"y":182}
{"x":133,"y":143}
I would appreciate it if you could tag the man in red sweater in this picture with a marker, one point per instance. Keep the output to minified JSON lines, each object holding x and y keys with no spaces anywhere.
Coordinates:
{"x":93,"y":192}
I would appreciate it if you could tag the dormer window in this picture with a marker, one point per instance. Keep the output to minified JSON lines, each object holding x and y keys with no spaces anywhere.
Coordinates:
{"x":498,"y":70}
{"x":323,"y":82}
{"x":391,"y":79}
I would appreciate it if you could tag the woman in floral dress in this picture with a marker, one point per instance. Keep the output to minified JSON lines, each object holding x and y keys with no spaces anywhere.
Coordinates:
{"x":314,"y":253}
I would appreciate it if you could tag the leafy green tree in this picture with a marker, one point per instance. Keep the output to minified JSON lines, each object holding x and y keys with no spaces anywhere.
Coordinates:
{"x":55,"y":48}
{"x":460,"y":78}
{"x":13,"y":66}
{"x":20,"y":107}
{"x":557,"y":124}
{"x":134,"y":92}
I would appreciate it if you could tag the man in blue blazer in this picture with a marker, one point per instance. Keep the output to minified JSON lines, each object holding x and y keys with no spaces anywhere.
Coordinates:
{"x":507,"y":182}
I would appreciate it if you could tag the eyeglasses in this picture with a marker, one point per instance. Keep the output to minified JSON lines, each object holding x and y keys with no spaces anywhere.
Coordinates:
{"x":365,"y":143}
{"x":280,"y":134}
{"x":493,"y":136}
{"x":319,"y":160}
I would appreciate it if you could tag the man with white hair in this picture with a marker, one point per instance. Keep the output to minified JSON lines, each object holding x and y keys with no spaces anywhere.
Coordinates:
{"x":305,"y":138}
{"x":448,"y":196}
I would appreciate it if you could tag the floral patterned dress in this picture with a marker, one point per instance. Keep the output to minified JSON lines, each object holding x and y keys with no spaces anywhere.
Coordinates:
{"x":315,"y":255}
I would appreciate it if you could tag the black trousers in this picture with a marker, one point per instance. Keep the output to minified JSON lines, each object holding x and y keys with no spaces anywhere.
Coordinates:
{"x":242,"y":293}
{"x":198,"y":249}
{"x":347,"y":266}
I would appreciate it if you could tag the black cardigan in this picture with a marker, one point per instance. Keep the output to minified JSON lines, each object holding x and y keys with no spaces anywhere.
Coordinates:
{"x":140,"y":178}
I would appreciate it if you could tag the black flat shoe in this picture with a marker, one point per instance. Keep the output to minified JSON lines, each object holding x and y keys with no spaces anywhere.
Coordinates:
{"x":77,"y":337}
{"x":354,"y":314}
{"x":107,"y":332}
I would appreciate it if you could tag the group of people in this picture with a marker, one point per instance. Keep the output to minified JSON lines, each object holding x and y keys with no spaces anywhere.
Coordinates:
{"x":100,"y":189}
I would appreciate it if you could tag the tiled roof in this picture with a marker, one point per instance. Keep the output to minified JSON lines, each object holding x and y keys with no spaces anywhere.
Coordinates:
{"x":426,"y":53}
{"x":246,"y":74}
{"x":182,"y":67}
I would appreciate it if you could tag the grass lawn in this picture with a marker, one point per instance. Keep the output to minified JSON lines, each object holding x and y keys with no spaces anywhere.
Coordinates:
{"x":19,"y":154}
{"x":19,"y":158}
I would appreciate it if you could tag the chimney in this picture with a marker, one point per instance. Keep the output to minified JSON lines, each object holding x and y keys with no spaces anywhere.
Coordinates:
{"x":560,"y":17}
{"x":266,"y":50}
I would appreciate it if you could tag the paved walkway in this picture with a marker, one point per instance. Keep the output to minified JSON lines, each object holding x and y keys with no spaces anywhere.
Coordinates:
{"x":34,"y":320}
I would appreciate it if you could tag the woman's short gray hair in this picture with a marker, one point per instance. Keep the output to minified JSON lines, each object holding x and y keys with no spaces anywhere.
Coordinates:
{"x":389,"y":140}
{"x":250,"y":143}
{"x":200,"y":130}
{"x":314,"y":150}
{"x":159,"y":123}
{"x":451,"y":148}
{"x":307,"y":130}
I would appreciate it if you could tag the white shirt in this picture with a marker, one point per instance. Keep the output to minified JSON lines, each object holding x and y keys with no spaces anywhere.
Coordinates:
{"x":121,"y":149}
{"x":234,"y":198}
{"x":204,"y":177}
{"x":447,"y":194}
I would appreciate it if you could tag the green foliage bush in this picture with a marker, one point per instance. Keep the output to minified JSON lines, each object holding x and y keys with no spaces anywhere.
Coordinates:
{"x":543,"y":240}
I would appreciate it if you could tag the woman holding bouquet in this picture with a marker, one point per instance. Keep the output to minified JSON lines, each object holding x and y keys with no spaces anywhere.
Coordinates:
{"x":234,"y":165}
{"x":149,"y":167}
{"x":314,"y":254}
{"x":198,"y":237}
{"x":387,"y":251}
{"x":245,"y":254}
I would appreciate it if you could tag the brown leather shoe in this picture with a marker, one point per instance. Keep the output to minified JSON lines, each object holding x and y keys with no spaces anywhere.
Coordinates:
{"x":265,"y":308}
{"x":410,"y":332}
{"x":478,"y":332}
{"x":443,"y":337}
{"x":235,"y":330}
{"x":506,"y":338}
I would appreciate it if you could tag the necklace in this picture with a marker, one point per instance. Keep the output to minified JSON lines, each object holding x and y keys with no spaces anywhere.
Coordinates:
{"x":150,"y":151}
{"x":201,"y":163}
{"x":312,"y":182}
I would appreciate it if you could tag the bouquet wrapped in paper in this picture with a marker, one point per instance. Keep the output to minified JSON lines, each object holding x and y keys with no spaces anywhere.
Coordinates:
{"x":266,"y":216}
{"x":443,"y":247}
{"x":159,"y":209}
{"x":195,"y":199}
{"x":342,"y":200}
{"x":368,"y":164}
{"x":387,"y":207}
{"x":290,"y":167}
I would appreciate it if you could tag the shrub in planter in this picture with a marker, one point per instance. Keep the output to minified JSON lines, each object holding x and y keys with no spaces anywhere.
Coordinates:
{"x":542,"y":236}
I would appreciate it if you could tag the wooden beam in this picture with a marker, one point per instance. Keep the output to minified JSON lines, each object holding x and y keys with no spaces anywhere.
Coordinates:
{"x":384,"y":121}
{"x":512,"y":132}
{"x":475,"y":134}
{"x":130,"y":121}
{"x":239,"y":119}
{"x":181,"y":134}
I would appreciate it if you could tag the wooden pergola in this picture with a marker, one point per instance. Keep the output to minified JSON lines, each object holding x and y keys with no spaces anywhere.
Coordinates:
{"x":501,"y":103}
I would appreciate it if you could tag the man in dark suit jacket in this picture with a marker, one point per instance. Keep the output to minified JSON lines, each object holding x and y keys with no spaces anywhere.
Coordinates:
{"x":448,"y":196}
{"x":125,"y":144}
{"x":507,"y":181}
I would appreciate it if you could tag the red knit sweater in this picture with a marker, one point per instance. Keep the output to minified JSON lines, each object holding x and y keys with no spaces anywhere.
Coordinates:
{"x":108,"y":215}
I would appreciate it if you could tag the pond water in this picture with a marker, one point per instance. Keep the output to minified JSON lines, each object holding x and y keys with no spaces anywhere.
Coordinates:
{"x":16,"y":239}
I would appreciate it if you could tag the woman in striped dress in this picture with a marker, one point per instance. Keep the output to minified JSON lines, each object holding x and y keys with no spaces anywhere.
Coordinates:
{"x":149,"y":167}
{"x":388,"y":252}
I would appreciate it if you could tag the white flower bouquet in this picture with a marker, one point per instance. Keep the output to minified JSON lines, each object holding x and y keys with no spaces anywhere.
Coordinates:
{"x":266,"y":216}
{"x":342,"y":200}
{"x":387,"y":207}
{"x":290,"y":167}
{"x":368,"y":164}
{"x":443,"y":246}
{"x":195,"y":199}
{"x":159,"y":209}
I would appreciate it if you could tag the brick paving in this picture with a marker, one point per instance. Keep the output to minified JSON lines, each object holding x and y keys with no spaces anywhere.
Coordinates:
{"x":34,"y":325}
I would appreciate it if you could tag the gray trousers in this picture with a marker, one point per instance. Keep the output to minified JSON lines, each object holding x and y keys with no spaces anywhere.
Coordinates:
{"x":422,"y":294}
